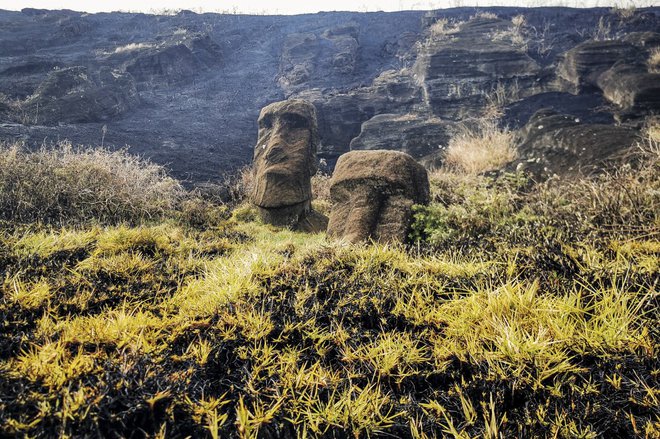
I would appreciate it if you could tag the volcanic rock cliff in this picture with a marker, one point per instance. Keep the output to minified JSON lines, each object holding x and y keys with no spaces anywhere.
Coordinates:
{"x":186,"y":89}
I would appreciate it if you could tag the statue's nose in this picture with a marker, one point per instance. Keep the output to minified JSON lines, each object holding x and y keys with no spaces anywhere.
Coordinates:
{"x":275,"y":153}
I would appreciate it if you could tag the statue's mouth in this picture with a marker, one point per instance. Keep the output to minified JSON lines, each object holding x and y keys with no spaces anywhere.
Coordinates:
{"x":280,"y":186}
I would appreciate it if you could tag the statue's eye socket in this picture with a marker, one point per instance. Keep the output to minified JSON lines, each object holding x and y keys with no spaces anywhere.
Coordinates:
{"x":266,"y":122}
{"x":295,"y":121}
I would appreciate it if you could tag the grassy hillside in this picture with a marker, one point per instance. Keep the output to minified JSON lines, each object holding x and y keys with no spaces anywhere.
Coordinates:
{"x":517,"y":310}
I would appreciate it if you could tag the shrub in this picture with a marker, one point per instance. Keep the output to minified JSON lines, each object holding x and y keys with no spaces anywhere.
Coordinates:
{"x":321,"y":192}
{"x":478,"y":149}
{"x":65,"y":185}
{"x":479,"y":210}
{"x":239,"y":185}
{"x":516,"y":34}
{"x":443,"y":28}
{"x":654,"y":60}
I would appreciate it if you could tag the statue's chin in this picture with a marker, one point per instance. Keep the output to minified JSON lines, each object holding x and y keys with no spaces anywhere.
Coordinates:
{"x":276,"y":190}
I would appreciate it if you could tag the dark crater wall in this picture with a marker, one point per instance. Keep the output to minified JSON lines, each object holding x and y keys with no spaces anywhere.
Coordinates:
{"x":186,"y":90}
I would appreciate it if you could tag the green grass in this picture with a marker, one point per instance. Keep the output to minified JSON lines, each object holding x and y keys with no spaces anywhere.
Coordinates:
{"x":520,"y":310}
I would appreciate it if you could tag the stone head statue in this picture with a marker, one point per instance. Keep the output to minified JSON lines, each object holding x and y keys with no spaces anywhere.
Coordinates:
{"x":284,"y":162}
{"x":373,"y":193}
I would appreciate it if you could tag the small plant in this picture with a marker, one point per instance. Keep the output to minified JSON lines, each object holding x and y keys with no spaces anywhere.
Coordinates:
{"x":516,"y":34}
{"x":603,"y":31}
{"x":624,"y":13}
{"x":443,"y":29}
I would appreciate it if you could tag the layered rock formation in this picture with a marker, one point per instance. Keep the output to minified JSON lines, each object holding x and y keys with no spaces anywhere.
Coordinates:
{"x":460,"y":69}
{"x":417,"y":135}
{"x":553,"y":143}
{"x":74,"y":95}
{"x":373,"y":193}
{"x":377,"y":80}
{"x":633,"y":89}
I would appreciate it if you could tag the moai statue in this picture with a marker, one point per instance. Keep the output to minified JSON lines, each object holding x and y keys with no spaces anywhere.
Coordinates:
{"x":284,"y":162}
{"x":373,"y":193}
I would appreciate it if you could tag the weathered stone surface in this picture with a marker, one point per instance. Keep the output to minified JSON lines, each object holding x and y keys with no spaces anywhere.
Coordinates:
{"x":646,"y":40}
{"x":414,"y":134}
{"x":21,"y":80}
{"x":632,"y":88}
{"x":581,"y":66}
{"x":174,"y":61}
{"x":75,"y":95}
{"x":308,"y":57}
{"x":553,"y":143}
{"x":284,"y":162}
{"x":458,"y":72}
{"x":341,"y":115}
{"x":588,"y":107}
{"x":373,"y":193}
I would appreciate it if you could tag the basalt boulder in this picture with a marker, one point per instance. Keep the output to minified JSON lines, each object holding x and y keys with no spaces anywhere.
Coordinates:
{"x":634,"y":90}
{"x":373,"y":193}
{"x":284,"y":162}
{"x":581,"y":66}
{"x":414,"y":134}
{"x":553,"y":143}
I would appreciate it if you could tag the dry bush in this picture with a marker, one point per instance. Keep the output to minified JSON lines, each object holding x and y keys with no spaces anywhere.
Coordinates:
{"x":516,"y":34}
{"x":238,"y":185}
{"x":622,"y":201}
{"x":603,"y":31}
{"x":321,"y":192}
{"x":475,"y":150}
{"x":443,"y":28}
{"x":654,"y":60}
{"x":66,"y":185}
{"x":653,"y":133}
{"x":624,"y":13}
{"x":498,"y":98}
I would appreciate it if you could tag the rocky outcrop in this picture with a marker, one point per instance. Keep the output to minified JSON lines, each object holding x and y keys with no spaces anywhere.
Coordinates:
{"x":373,"y":193}
{"x":341,"y":115}
{"x":459,"y":70}
{"x":414,"y":134}
{"x":307,"y":57}
{"x":581,"y":66}
{"x":174,"y":61}
{"x":21,"y":80}
{"x":634,"y":90}
{"x":284,"y":162}
{"x":553,"y":143}
{"x":75,"y":95}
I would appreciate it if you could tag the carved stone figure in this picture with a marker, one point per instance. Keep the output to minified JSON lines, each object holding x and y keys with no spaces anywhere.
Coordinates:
{"x":284,"y":162}
{"x":373,"y":193}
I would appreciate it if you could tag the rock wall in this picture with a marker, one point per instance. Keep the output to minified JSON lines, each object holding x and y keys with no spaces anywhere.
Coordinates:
{"x":186,"y":89}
